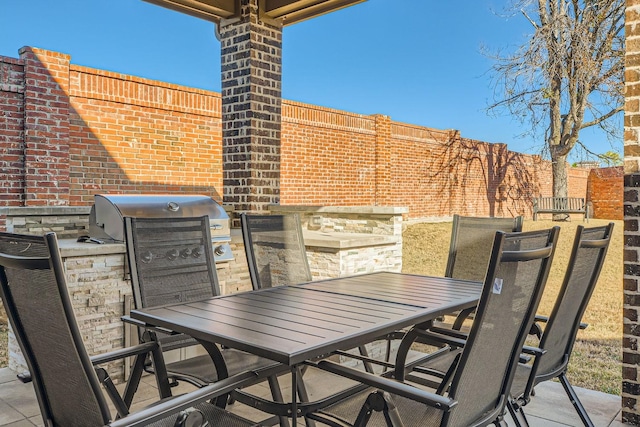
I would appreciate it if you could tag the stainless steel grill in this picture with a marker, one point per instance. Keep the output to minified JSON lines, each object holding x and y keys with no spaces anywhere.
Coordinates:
{"x":106,"y":220}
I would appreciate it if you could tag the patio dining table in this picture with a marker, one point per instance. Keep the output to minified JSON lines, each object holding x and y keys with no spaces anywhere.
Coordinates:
{"x":292,"y":324}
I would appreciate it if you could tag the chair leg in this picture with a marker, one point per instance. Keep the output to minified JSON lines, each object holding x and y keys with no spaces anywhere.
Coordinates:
{"x":112,"y":392}
{"x":391,"y":414}
{"x":517,"y":414}
{"x":575,"y":401}
{"x":379,"y":401}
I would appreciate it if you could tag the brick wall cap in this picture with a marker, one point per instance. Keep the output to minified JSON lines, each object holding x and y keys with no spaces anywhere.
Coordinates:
{"x":12,"y":61}
{"x":142,"y":80}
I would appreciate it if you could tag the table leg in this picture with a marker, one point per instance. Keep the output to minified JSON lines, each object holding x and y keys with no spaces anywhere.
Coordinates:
{"x":294,"y":396}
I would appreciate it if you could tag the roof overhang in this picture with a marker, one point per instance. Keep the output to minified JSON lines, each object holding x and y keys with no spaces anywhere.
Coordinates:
{"x":287,"y":11}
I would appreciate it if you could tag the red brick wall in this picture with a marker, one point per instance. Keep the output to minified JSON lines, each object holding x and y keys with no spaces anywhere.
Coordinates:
{"x":327,"y":157}
{"x":131,"y":134}
{"x":605,"y":191}
{"x":128,"y":134}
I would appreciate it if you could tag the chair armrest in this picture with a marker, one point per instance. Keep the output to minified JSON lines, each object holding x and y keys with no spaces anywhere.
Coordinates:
{"x":450,"y":332}
{"x":124,"y":352}
{"x":534,"y":351}
{"x":461,"y":317}
{"x":433,"y":337}
{"x":174,"y":405}
{"x":528,"y":352}
{"x":389,"y":385}
{"x":545,"y":319}
{"x":540,"y":318}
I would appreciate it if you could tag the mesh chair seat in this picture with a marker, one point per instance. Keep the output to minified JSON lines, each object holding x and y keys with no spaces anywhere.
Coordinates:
{"x":202,"y":368}
{"x":212,"y":414}
{"x":413,"y":413}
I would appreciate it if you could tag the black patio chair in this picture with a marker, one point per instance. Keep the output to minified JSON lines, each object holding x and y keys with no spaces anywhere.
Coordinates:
{"x":66,"y":380}
{"x":470,"y":249}
{"x":171,"y":260}
{"x":475,"y":390}
{"x":275,"y":250}
{"x":558,"y":334}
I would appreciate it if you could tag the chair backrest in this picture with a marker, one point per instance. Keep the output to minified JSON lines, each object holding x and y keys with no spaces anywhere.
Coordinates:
{"x":518,"y":270}
{"x":275,"y":250}
{"x":35,"y":296}
{"x":587,"y":257}
{"x":470,"y":246}
{"x":171,"y":260}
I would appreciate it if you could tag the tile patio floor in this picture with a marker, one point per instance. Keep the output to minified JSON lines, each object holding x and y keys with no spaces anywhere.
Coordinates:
{"x":550,"y":407}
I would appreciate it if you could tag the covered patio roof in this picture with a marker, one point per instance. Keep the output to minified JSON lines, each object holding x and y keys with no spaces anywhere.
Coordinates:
{"x":288,"y":11}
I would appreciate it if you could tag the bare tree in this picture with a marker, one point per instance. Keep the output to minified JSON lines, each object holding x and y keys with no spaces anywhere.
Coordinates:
{"x":568,"y":76}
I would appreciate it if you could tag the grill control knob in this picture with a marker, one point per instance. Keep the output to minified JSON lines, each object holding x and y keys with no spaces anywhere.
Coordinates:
{"x":219,"y":250}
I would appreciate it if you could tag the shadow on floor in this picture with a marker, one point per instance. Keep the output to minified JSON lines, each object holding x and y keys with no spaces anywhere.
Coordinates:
{"x":550,"y":407}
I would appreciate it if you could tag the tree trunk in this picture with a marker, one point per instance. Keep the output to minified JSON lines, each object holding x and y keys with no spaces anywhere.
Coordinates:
{"x":560,"y":178}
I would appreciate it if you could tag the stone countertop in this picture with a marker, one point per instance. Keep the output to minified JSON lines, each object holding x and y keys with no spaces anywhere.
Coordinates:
{"x":71,"y":248}
{"x":347,"y":240}
{"x":356,"y":210}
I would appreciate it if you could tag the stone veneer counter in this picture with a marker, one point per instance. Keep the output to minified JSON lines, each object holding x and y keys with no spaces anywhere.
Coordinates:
{"x":72,"y":248}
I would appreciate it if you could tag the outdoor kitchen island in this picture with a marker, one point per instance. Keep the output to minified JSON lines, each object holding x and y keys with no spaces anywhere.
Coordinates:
{"x":340,"y":241}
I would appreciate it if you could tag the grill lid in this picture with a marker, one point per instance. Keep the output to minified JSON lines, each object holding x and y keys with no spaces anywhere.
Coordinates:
{"x":106,"y":220}
{"x":157,"y":206}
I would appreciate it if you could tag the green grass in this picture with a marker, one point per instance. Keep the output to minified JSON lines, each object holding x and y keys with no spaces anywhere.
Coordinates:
{"x":4,"y":340}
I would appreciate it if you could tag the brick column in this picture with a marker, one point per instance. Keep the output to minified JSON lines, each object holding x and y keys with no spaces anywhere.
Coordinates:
{"x":46,"y":127}
{"x":383,"y":196}
{"x":11,"y":134}
{"x":455,"y":179}
{"x":251,"y":109}
{"x":631,"y":354}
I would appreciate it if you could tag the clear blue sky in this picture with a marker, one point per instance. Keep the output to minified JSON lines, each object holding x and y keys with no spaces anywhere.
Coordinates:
{"x":417,"y":61}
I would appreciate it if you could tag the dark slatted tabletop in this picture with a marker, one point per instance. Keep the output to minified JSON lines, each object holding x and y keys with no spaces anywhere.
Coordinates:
{"x":290,"y":324}
{"x":424,"y":291}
